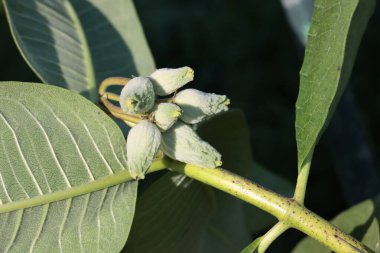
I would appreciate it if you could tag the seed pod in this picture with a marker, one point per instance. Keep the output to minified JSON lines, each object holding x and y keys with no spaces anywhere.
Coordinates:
{"x":137,"y":96}
{"x":166,"y":81}
{"x":165,"y":115}
{"x":198,"y":105}
{"x":182,"y":143}
{"x":143,"y":143}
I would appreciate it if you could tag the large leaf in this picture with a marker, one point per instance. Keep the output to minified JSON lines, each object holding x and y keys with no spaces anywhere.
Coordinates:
{"x":333,"y":40}
{"x":62,"y":168}
{"x":361,"y":221}
{"x":76,"y":44}
{"x":170,"y":215}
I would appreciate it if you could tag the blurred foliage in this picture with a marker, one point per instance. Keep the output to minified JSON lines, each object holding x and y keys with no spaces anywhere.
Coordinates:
{"x":245,"y":49}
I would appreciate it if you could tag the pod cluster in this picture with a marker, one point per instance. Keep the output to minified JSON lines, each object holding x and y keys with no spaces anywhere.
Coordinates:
{"x":168,"y":117}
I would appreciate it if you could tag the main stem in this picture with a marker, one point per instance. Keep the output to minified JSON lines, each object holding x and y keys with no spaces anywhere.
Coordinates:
{"x":287,"y":210}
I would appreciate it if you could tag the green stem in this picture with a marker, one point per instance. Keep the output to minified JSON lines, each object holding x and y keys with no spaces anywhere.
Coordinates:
{"x":300,"y":191}
{"x":99,"y":184}
{"x":272,"y":235}
{"x":287,"y":210}
{"x":120,"y":81}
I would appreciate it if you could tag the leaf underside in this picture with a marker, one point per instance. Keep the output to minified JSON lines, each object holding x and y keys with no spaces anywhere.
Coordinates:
{"x":52,"y":140}
{"x":77,"y":44}
{"x":334,"y":37}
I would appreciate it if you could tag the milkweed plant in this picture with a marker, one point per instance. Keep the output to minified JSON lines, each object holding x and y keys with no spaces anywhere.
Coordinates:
{"x":164,"y":118}
{"x":69,"y":174}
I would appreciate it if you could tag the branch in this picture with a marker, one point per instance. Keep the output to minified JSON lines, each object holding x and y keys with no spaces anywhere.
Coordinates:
{"x":271,"y":235}
{"x":287,"y":210}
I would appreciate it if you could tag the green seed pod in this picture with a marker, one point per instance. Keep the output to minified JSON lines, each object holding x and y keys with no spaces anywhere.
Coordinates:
{"x":198,"y":105}
{"x":166,"y":81}
{"x":165,"y":115}
{"x":137,"y":96}
{"x":143,"y":143}
{"x":182,"y":143}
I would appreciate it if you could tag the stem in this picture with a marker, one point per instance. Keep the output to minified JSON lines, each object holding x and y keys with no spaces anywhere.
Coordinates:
{"x":118,"y":112}
{"x":287,"y":210}
{"x":99,"y":184}
{"x":111,"y":96}
{"x":272,"y":235}
{"x":300,"y":191}
{"x":121,"y":81}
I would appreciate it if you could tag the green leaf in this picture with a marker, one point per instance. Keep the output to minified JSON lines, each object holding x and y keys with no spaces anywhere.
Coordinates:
{"x":62,"y":173}
{"x":252,"y":247}
{"x":333,"y":41}
{"x":170,"y":216}
{"x":116,"y":38}
{"x":76,"y":44}
{"x":361,"y":221}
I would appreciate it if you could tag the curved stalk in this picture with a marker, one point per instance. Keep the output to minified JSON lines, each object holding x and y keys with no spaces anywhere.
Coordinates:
{"x":120,"y":81}
{"x":287,"y":210}
{"x":118,"y":113}
{"x":271,"y":235}
{"x":111,"y":96}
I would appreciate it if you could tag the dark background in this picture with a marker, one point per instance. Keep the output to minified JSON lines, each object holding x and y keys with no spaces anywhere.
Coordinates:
{"x":246,"y":50}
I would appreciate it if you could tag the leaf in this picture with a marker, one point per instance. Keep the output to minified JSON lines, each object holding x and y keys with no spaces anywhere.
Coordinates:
{"x":62,"y":173}
{"x":333,"y":41}
{"x":170,"y":215}
{"x":252,"y":247}
{"x":77,"y":44}
{"x":116,"y":38}
{"x":361,"y":221}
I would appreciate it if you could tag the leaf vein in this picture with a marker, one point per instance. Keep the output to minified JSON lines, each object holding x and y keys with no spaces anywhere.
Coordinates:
{"x":51,"y":149}
{"x":72,"y":139}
